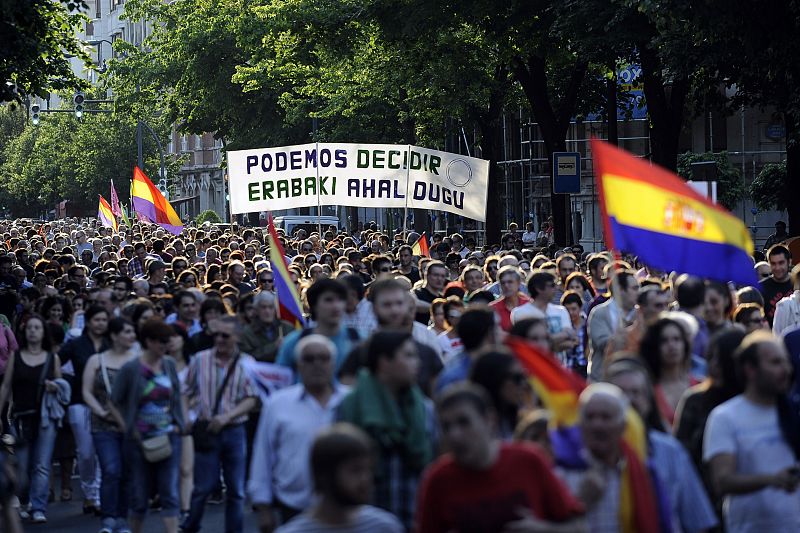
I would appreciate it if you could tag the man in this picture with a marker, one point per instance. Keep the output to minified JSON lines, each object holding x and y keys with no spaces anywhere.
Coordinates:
{"x":435,"y":279}
{"x":651,"y":301}
{"x":542,"y":287}
{"x":262,"y":337}
{"x":381,"y":268}
{"x":529,"y":236}
{"x":407,"y":268}
{"x":386,"y":403}
{"x":566,"y":264}
{"x":478,"y":331}
{"x":327,"y":301}
{"x":752,"y":458}
{"x":236,"y":278}
{"x":472,"y":279}
{"x":595,"y":469}
{"x":485,"y":485}
{"x":510,"y":281}
{"x":457,"y":245}
{"x":358,"y":310}
{"x":779,"y":284}
{"x":223,"y":406}
{"x":82,"y":243}
{"x":77,"y":273}
{"x":690,"y":292}
{"x":187,"y":312}
{"x":279,"y":472}
{"x":597,"y":264}
{"x":609,"y":317}
{"x":122,"y":288}
{"x":779,"y":236}
{"x":156,"y":273}
{"x":136,"y":263}
{"x":342,"y":467}
{"x":690,"y":506}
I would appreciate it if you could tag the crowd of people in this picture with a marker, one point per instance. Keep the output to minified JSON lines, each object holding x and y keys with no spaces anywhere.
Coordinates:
{"x":126,"y":361}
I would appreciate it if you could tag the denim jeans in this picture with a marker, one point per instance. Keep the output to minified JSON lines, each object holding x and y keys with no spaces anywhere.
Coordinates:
{"x":232,"y":457}
{"x":113,"y":481}
{"x":164,"y":474}
{"x":80,"y":420}
{"x":34,"y":467}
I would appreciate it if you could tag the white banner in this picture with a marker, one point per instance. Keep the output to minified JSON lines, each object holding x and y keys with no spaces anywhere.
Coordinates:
{"x":361,"y":175}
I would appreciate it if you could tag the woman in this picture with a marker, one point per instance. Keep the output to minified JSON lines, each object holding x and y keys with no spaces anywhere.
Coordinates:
{"x":30,"y":372}
{"x":175,"y":348}
{"x":437,"y":316}
{"x":213,"y":274}
{"x":721,"y":385}
{"x":573,"y":303}
{"x":750,"y":317}
{"x":97,"y":383}
{"x":579,"y":283}
{"x":326,"y":259}
{"x":188,"y":279}
{"x":52,"y":309}
{"x":718,"y":306}
{"x":262,"y":337}
{"x":504,"y":379}
{"x":147,"y":394}
{"x":449,"y":341}
{"x":534,"y":330}
{"x":666,"y":350}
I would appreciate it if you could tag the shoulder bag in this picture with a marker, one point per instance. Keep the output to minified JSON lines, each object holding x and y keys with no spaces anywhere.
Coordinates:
{"x":205,"y":440}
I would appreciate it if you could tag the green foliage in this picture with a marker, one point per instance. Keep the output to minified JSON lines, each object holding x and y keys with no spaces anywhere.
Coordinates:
{"x":37,"y":35}
{"x":207,"y":216}
{"x":730,"y":186}
{"x":768,"y":189}
{"x":64,"y":158}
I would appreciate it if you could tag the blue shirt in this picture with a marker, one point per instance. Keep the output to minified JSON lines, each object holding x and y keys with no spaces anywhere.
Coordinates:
{"x":456,"y":371}
{"x":345,"y":341}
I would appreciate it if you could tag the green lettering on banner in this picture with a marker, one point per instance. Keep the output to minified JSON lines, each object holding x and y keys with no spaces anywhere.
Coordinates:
{"x":322,"y":180}
{"x":378,"y":158}
{"x":283,"y":188}
{"x":333,"y":187}
{"x":393,"y":153}
{"x":362,"y":161}
{"x":297,"y":186}
{"x":252,"y":192}
{"x":311,"y":185}
{"x":266,"y":189}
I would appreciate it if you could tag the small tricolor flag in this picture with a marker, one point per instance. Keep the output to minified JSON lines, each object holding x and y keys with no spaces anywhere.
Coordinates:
{"x":151,"y":205}
{"x":420,"y":247}
{"x":652,"y":213}
{"x":289,"y":307}
{"x":115,"y":201}
{"x":104,"y":214}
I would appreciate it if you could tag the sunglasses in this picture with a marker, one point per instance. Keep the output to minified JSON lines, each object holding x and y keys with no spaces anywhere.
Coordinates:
{"x":265,"y":280}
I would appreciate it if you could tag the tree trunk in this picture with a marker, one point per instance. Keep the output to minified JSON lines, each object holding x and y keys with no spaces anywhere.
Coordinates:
{"x":553,"y":119}
{"x":492,"y":145}
{"x":792,"y":184}
{"x":611,"y":107}
{"x":666,"y":102}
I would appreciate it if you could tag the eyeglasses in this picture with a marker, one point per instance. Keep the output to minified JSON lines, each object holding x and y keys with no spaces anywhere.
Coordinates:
{"x":265,"y":280}
{"x":385,"y":269}
{"x":222,"y":334}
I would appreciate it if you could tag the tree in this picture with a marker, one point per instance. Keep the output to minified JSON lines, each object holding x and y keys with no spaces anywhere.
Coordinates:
{"x":207,"y":216}
{"x":730,"y":187}
{"x":38,"y":35}
{"x":767,"y":189}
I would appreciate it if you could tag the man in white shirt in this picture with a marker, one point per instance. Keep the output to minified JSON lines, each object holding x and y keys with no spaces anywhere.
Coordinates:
{"x":753,"y":463}
{"x":542,"y":287}
{"x":529,"y":236}
{"x":280,"y":480}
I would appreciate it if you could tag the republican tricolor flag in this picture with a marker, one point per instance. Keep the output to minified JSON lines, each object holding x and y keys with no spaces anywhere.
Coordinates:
{"x":652,"y":213}
{"x":151,"y":205}
{"x":289,"y":306}
{"x":104,"y":214}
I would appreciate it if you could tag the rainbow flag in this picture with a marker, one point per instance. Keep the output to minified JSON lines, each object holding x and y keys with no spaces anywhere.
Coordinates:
{"x":420,"y":247}
{"x":150,"y":204}
{"x":289,"y":307}
{"x":104,"y":214}
{"x":641,"y":508}
{"x":652,"y":213}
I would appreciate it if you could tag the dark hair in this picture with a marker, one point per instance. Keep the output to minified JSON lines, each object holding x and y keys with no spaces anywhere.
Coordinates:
{"x":780,"y":249}
{"x":94,"y":310}
{"x":650,"y":347}
{"x":212,"y":272}
{"x":117,"y":324}
{"x":213,"y":304}
{"x":154,"y":329}
{"x":743,"y":312}
{"x":47,"y":342}
{"x":384,"y":344}
{"x":584,"y":281}
{"x":465,"y":392}
{"x":723,"y":290}
{"x":480,"y":296}
{"x":689,"y":291}
{"x":571,"y":297}
{"x":321,"y":286}
{"x":722,"y":346}
{"x":334,"y":446}
{"x":355,"y":283}
{"x":180,"y":295}
{"x":538,"y":280}
{"x":747,"y":295}
{"x":139,"y":309}
{"x":476,"y":324}
{"x":521,"y":328}
{"x":623,"y":279}
{"x":490,"y":371}
{"x":384,"y":285}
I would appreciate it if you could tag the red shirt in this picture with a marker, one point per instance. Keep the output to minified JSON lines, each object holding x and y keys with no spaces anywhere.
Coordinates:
{"x":455,"y":498}
{"x":504,"y":312}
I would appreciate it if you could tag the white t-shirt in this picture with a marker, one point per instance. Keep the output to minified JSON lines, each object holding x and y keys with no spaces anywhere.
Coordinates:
{"x":751,"y":433}
{"x":450,"y":347}
{"x":557,"y":316}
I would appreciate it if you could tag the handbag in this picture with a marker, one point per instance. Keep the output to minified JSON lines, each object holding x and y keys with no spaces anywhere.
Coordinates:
{"x":205,"y":440}
{"x":156,"y":449}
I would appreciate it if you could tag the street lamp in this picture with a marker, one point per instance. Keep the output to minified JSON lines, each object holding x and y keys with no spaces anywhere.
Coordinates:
{"x":98,"y":43}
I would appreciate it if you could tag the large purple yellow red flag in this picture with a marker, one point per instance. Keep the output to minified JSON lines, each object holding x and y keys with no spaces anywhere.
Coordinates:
{"x":289,"y":307}
{"x":104,"y":214}
{"x":115,"y":201}
{"x":652,"y":213}
{"x":151,"y":205}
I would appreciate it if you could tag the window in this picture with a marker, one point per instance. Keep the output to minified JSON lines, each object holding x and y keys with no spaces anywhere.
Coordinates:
{"x":184,"y":147}
{"x":198,"y":142}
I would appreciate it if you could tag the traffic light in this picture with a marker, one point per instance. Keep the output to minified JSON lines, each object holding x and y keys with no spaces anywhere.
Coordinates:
{"x":35,"y":114}
{"x":77,"y":101}
{"x":162,"y":186}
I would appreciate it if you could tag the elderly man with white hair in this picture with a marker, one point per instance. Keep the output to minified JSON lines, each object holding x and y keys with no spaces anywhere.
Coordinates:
{"x":262,"y":337}
{"x":599,"y":464}
{"x":280,"y":483}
